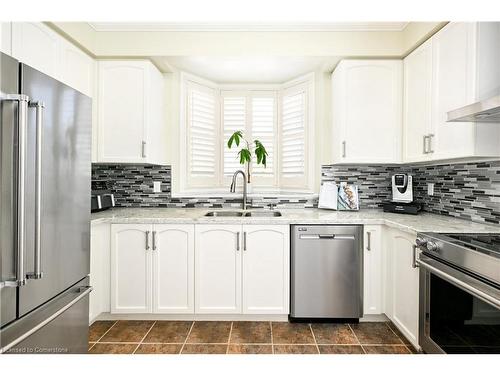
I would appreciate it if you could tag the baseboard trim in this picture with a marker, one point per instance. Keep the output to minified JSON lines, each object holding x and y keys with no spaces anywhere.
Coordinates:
{"x":374,"y":318}
{"x":199,"y":317}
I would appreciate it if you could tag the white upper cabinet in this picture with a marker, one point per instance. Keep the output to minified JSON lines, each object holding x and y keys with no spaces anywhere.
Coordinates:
{"x":417,"y":104}
{"x":454,"y":67}
{"x":6,"y":37}
{"x":366,"y":111}
{"x":266,"y":267}
{"x":40,"y":47}
{"x":77,"y":68}
{"x":37,"y":45}
{"x":459,"y":65}
{"x":173,"y":268}
{"x":131,"y":127}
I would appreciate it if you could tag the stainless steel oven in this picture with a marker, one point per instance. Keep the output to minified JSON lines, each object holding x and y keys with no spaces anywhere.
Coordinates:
{"x":459,"y":293}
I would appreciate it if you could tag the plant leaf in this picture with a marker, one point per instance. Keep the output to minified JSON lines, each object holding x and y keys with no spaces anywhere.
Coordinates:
{"x":235,"y":138}
{"x":261,"y":153}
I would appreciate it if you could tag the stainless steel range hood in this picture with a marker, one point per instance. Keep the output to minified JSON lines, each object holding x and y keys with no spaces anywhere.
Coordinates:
{"x":484,"y":111}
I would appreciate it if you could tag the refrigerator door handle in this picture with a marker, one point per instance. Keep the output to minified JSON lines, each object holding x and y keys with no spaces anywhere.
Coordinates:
{"x":22,"y":124}
{"x":37,"y":272}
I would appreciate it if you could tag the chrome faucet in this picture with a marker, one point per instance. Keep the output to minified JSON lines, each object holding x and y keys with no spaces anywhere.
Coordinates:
{"x":232,"y":189}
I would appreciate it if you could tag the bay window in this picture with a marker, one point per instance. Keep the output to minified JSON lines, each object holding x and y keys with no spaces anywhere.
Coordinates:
{"x":280,"y":116}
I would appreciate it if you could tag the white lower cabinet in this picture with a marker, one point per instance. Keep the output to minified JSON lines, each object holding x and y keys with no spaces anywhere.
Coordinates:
{"x":151,"y":268}
{"x":131,"y":268}
{"x":266,"y":269}
{"x":173,"y":269}
{"x":218,"y":269}
{"x":401,"y":284}
{"x":372,"y":270}
{"x":99,"y":270}
{"x":242,"y":269}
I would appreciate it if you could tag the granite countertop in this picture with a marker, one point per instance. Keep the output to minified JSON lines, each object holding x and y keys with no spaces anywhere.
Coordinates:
{"x":424,"y":222}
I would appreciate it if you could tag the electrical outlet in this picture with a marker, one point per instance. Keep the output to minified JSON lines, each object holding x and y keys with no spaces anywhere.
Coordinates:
{"x":430,"y":188}
{"x":156,"y":186}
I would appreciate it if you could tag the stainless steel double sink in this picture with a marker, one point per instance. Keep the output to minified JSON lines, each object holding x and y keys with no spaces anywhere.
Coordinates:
{"x":243,"y":214}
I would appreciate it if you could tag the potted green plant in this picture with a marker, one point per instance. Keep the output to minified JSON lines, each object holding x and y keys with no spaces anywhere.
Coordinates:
{"x":245,"y":154}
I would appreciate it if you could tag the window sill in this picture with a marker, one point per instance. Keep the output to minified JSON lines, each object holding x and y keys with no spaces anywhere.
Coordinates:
{"x":278,"y":194}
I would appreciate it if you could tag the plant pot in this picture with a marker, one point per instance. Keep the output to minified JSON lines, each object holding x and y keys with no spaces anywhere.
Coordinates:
{"x":249,"y":188}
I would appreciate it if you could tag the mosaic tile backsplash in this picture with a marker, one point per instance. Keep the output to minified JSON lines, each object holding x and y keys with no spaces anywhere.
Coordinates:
{"x":467,"y":190}
{"x":132,"y":186}
{"x":470,"y":191}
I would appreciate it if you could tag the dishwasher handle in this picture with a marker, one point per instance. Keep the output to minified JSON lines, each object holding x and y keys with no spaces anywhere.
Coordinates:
{"x":326,"y":237}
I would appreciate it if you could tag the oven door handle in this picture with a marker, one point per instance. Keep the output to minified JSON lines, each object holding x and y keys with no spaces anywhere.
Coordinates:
{"x":463,"y":281}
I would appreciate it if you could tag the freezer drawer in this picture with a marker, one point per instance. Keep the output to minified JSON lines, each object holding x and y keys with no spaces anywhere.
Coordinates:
{"x":59,"y":326}
{"x":326,"y":272}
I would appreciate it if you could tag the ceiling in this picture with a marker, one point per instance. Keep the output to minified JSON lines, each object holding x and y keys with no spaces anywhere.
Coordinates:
{"x":277,"y":26}
{"x":268,"y":69}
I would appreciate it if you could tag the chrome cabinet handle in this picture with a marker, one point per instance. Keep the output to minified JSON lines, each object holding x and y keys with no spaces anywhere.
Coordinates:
{"x":430,"y":150}
{"x":369,"y":240}
{"x":22,"y":124}
{"x":425,"y":137}
{"x":238,"y":241}
{"x":343,"y":149}
{"x":143,"y":150}
{"x":154,"y":240}
{"x":414,"y":263}
{"x":147,"y":240}
{"x":37,"y":271}
{"x":244,"y":241}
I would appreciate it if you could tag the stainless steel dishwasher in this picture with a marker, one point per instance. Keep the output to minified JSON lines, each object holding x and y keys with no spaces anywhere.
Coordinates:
{"x":326,"y":271}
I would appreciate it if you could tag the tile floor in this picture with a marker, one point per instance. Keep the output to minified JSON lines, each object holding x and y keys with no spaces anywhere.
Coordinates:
{"x":183,"y":337}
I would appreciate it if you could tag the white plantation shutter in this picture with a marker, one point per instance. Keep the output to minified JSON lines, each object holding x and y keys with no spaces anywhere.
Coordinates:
{"x":233,"y":119}
{"x":202,"y":136}
{"x":293,"y":137}
{"x":279,"y":118}
{"x":263,"y":125}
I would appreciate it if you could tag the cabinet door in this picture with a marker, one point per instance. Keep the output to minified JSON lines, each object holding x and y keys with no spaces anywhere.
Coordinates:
{"x":372,"y":270}
{"x":417,"y":103}
{"x":99,"y":270}
{"x":6,"y":37}
{"x":454,"y":81}
{"x":77,"y":68}
{"x":371,"y":111}
{"x":173,"y":269}
{"x":266,"y":265}
{"x":405,"y":286}
{"x":122,"y":111}
{"x":37,"y":45}
{"x":131,"y":268}
{"x":218,"y":269}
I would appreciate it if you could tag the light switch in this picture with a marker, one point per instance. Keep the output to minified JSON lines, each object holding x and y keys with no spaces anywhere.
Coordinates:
{"x":156,"y":186}
{"x":430,"y":188}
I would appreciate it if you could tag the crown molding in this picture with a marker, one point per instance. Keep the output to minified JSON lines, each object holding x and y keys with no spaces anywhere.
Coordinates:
{"x":245,"y":27}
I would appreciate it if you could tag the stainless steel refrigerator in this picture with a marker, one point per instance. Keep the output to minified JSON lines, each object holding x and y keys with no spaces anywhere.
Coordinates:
{"x":45,"y":143}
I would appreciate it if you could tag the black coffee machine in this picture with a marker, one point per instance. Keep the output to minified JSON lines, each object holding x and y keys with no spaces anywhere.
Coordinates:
{"x":402,"y":196}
